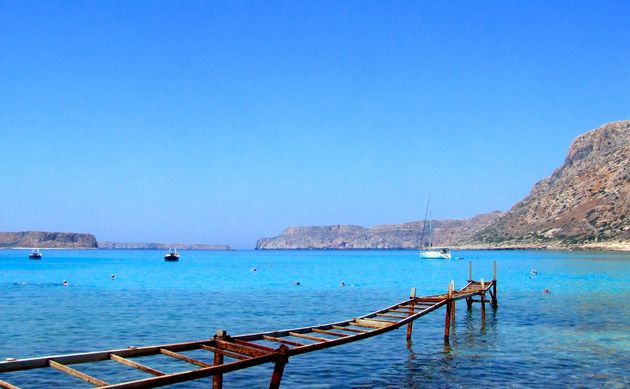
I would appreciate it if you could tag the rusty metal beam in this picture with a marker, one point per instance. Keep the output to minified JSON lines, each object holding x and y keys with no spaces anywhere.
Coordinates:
{"x":135,"y":365}
{"x":76,"y":373}
{"x":6,"y":385}
{"x":184,"y":358}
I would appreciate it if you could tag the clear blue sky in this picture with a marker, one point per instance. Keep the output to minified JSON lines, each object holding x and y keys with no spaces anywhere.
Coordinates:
{"x":223,"y":122}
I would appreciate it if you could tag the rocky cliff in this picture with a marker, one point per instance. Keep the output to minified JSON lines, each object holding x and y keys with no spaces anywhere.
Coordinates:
{"x":161,"y":246}
{"x":584,"y":202}
{"x":47,"y":239}
{"x":386,"y":236}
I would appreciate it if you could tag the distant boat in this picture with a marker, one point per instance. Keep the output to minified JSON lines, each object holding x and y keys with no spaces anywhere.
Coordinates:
{"x":35,"y":254}
{"x":426,"y":247}
{"x":172,"y":255}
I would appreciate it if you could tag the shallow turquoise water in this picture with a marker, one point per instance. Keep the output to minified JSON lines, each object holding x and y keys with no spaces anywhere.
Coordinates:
{"x":578,"y":335}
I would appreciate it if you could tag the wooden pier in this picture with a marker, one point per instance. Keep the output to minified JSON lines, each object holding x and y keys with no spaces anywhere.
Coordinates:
{"x":244,"y":351}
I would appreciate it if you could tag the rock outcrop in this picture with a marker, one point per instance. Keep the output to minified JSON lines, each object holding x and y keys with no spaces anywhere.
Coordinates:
{"x":386,"y":236}
{"x":584,"y":202}
{"x":43,"y":239}
{"x":161,"y":246}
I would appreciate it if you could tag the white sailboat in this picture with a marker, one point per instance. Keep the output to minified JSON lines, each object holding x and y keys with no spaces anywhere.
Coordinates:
{"x":426,"y":248}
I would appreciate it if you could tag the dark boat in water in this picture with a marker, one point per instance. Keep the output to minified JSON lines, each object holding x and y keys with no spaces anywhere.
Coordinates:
{"x":172,"y":255}
{"x":35,"y":254}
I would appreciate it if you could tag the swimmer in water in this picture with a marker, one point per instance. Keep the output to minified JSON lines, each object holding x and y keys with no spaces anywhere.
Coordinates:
{"x":113,"y":276}
{"x":342,"y":283}
{"x":65,"y":283}
{"x":546,"y":291}
{"x":298,"y":283}
{"x":253,"y":269}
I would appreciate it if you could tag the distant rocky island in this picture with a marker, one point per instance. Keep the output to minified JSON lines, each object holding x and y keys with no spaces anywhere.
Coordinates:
{"x":161,"y":246}
{"x":47,"y":239}
{"x":584,"y":204}
{"x":73,"y":240}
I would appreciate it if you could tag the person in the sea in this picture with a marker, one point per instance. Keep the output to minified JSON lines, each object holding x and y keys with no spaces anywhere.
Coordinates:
{"x":113,"y":276}
{"x":65,"y":283}
{"x":342,"y":283}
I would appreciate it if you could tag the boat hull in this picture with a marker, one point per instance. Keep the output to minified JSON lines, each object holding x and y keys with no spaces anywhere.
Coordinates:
{"x":171,"y":258}
{"x":434,"y":254}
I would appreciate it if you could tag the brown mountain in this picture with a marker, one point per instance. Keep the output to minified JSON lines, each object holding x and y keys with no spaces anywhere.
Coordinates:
{"x":47,"y":239}
{"x":585,"y":202}
{"x":385,"y":236}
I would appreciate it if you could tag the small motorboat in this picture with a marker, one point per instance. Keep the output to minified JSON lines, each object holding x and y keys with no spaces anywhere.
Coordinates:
{"x":172,"y":255}
{"x":35,"y":254}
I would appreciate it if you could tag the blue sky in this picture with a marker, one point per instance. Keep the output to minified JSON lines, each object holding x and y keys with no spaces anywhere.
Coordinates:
{"x":223,"y":122}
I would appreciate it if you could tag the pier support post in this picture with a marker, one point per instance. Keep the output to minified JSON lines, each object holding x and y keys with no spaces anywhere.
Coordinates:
{"x":495,"y":303}
{"x":412,"y":296}
{"x":278,"y":368}
{"x":217,"y":379}
{"x":483,"y":301}
{"x":449,"y":308}
{"x":469,"y":300}
{"x":453,"y":308}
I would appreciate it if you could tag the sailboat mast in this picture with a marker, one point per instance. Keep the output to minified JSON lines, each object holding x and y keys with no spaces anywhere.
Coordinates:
{"x":424,"y":225}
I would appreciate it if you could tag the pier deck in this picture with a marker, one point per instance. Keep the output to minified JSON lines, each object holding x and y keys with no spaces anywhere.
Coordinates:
{"x":249,"y":350}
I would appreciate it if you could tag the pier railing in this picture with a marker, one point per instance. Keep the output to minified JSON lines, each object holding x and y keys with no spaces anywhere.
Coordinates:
{"x":232,"y":353}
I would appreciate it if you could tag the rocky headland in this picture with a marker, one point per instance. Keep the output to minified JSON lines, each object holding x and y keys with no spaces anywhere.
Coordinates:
{"x":44,"y":239}
{"x":585,"y":204}
{"x":386,"y":236}
{"x":161,"y":246}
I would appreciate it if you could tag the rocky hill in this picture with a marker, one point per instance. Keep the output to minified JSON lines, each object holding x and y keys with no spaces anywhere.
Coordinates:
{"x":161,"y":246}
{"x":42,"y":239}
{"x":386,"y":236}
{"x":585,"y":202}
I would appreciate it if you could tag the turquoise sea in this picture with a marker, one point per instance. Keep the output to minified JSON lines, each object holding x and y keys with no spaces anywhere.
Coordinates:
{"x":578,"y":335}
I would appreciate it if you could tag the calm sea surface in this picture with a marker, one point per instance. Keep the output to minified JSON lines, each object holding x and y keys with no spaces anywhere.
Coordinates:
{"x":578,"y":335}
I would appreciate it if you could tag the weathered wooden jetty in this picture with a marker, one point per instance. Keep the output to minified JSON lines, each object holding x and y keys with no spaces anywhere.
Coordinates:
{"x":232,"y":353}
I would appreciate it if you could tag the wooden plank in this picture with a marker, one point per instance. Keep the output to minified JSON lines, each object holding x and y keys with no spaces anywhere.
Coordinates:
{"x":284,"y":341}
{"x":184,"y":358}
{"x":311,"y":337}
{"x":417,"y":308}
{"x":368,"y":323}
{"x":380,"y":320}
{"x":392,"y":316}
{"x":224,"y":352}
{"x":6,"y":385}
{"x":76,"y":373}
{"x":250,"y":344}
{"x":240,"y":348}
{"x":136,"y":365}
{"x":349,"y":329}
{"x":333,"y":333}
